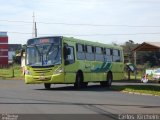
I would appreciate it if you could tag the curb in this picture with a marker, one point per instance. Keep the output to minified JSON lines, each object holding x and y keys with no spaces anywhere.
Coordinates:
{"x":136,"y":93}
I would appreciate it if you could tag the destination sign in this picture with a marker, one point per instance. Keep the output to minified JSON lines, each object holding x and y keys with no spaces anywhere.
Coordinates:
{"x":44,"y":40}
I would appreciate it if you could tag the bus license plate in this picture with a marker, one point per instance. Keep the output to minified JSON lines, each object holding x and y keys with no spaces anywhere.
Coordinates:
{"x":42,"y":78}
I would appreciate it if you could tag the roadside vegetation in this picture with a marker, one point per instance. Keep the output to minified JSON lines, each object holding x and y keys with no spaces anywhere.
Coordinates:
{"x":11,"y":72}
{"x":139,"y":89}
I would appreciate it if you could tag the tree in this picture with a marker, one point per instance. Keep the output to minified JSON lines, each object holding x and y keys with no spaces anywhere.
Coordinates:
{"x":128,"y":47}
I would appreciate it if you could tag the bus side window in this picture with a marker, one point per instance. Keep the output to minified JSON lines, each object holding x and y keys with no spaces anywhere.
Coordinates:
{"x":99,"y":54}
{"x":80,"y":52}
{"x":89,"y":52}
{"x":120,"y":55}
{"x":107,"y":55}
{"x":116,"y":55}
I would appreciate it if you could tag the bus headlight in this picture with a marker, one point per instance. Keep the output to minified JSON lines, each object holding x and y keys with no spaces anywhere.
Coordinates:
{"x":27,"y":72}
{"x":59,"y":70}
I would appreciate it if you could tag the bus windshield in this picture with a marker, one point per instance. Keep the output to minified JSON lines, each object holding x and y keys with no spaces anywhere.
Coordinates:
{"x":43,"y":55}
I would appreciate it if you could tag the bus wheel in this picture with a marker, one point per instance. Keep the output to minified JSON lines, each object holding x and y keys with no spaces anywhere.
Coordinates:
{"x":108,"y":82}
{"x":79,"y":81}
{"x":47,"y":85}
{"x":109,"y":79}
{"x":85,"y":84}
{"x":103,"y":83}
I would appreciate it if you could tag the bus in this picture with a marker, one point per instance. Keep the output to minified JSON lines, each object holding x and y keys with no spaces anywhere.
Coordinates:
{"x":67,"y":60}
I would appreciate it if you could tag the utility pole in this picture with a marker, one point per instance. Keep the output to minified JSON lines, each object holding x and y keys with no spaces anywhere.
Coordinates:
{"x":34,"y":31}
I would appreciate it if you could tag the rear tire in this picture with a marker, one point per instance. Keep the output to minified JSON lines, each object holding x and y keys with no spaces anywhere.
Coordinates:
{"x":85,"y":84}
{"x":108,"y":81}
{"x":47,"y":85}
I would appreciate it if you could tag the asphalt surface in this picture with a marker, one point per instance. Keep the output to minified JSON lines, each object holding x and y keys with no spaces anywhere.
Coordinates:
{"x":18,"y":98}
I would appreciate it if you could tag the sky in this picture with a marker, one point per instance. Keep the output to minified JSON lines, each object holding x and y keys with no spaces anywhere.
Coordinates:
{"x":105,"y":21}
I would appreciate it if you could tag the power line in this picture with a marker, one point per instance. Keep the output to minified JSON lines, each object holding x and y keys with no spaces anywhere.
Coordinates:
{"x":77,"y":24}
{"x":90,"y":34}
{"x":16,"y":21}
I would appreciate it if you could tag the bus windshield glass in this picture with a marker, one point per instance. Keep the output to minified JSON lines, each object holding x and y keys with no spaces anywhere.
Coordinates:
{"x":43,"y":54}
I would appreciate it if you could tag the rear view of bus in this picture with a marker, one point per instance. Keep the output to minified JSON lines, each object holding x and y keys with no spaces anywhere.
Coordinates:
{"x":44,"y":61}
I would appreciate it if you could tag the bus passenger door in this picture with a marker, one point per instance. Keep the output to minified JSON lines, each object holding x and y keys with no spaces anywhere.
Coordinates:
{"x":69,"y":65}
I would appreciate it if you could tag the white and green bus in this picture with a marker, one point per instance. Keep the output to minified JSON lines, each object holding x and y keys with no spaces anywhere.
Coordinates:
{"x":66,"y":60}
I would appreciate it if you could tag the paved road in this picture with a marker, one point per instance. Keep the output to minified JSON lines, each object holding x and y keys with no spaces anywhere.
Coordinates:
{"x":18,"y":98}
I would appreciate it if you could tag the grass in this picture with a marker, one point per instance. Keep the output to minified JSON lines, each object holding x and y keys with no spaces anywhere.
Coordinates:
{"x":142,"y":89}
{"x":13,"y":72}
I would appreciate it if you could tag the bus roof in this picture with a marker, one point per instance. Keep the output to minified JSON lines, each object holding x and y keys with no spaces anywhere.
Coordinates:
{"x":72,"y":39}
{"x":91,"y":43}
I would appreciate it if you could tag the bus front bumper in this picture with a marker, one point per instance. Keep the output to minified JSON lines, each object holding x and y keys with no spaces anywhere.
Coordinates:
{"x":56,"y":78}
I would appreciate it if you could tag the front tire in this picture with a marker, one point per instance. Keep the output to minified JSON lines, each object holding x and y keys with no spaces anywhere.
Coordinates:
{"x":47,"y":85}
{"x":79,"y":80}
